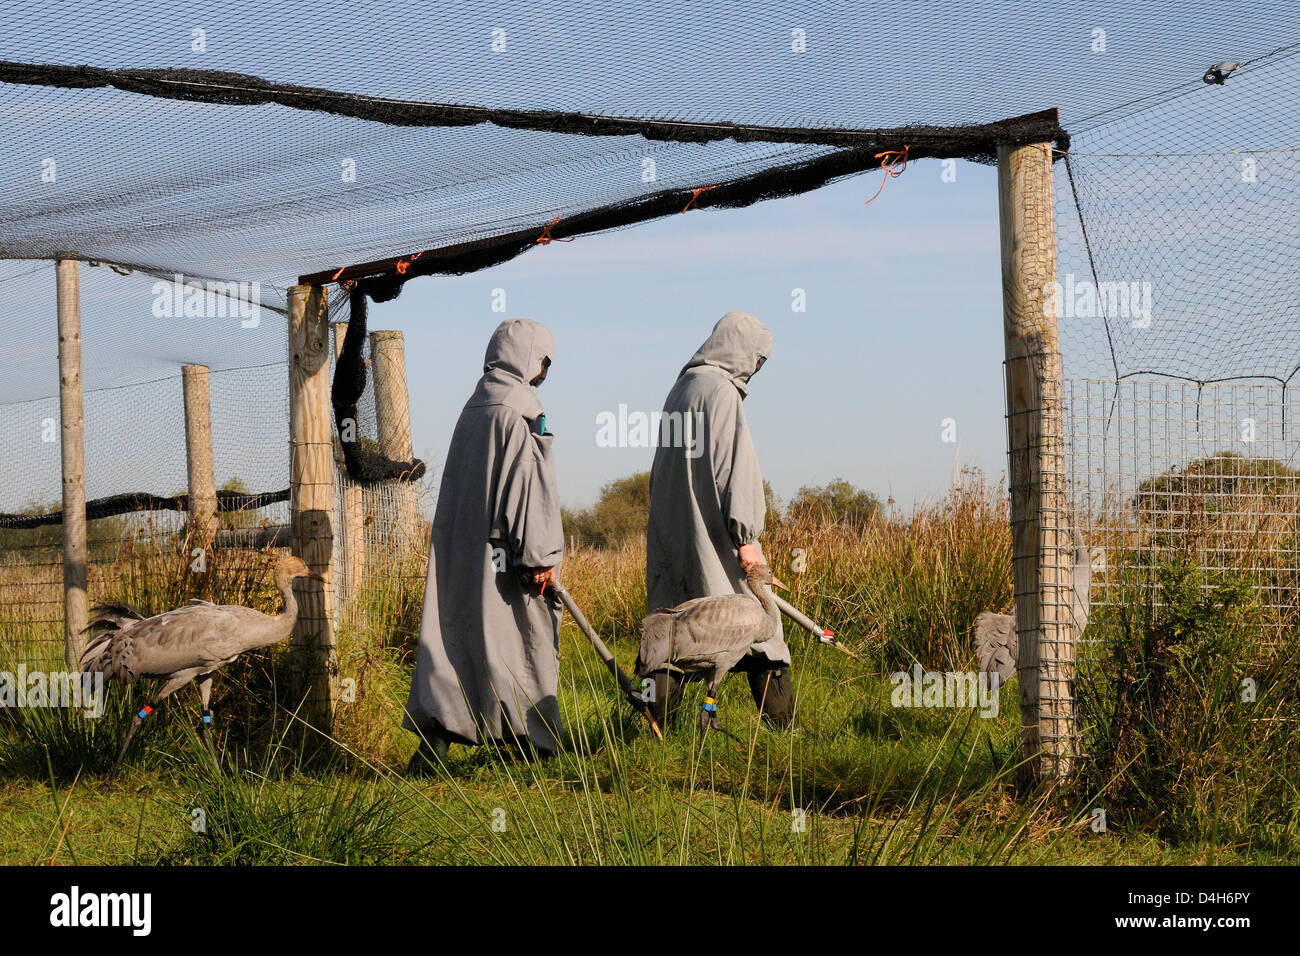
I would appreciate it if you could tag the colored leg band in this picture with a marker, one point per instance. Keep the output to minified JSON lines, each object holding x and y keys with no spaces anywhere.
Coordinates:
{"x":710,"y":705}
{"x":145,"y":711}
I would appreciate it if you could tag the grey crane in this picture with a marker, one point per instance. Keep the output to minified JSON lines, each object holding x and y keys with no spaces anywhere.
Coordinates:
{"x":709,"y":636}
{"x":995,"y":634}
{"x":187,"y":644}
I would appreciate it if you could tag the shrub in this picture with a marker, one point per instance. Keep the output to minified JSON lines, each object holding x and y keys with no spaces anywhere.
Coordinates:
{"x":1177,"y":737}
{"x":618,"y":516}
{"x":836,"y":502}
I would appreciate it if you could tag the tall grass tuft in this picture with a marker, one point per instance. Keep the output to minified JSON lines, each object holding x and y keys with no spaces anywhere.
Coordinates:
{"x":907,"y":587}
{"x":263,"y":814}
{"x":1193,"y":713}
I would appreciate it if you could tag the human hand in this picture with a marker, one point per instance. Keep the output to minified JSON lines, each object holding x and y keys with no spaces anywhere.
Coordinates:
{"x":544,"y":576}
{"x":749,"y":556}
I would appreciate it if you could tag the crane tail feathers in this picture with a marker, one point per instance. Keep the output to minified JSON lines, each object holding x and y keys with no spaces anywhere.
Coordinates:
{"x":108,"y":620}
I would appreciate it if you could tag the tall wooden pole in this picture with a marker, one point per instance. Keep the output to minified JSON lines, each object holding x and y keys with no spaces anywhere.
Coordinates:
{"x":1036,"y":460}
{"x":393,"y":423}
{"x":198,"y":455}
{"x":311,"y":503}
{"x":73,"y":445}
{"x":352,"y":552}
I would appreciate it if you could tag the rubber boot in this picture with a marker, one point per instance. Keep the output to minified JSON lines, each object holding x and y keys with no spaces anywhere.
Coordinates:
{"x":431,"y":754}
{"x":773,"y":692}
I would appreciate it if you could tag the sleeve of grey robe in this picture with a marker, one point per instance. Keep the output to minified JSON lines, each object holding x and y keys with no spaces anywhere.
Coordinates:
{"x":735,"y":467}
{"x":528,"y":502}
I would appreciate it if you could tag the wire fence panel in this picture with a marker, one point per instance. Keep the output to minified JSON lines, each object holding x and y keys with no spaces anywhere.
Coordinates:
{"x":1166,"y":469}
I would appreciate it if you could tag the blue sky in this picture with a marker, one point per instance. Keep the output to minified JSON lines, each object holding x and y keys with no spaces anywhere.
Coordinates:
{"x":902,"y":330}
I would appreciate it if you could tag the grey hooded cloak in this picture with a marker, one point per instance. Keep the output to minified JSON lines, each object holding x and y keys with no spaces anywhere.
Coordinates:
{"x":706,"y":493}
{"x":489,"y":643}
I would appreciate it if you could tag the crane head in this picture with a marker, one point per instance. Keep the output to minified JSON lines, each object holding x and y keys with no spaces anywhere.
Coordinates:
{"x":291,"y":566}
{"x":761,"y":574}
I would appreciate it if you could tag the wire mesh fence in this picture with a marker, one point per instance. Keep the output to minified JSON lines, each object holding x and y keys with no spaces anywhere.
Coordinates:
{"x":1166,"y":469}
{"x":142,"y":550}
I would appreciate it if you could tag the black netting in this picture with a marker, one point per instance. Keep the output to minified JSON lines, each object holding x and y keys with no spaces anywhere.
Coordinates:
{"x":872,"y":64}
{"x":279,"y":142}
{"x":236,"y":186}
{"x":1193,"y":207}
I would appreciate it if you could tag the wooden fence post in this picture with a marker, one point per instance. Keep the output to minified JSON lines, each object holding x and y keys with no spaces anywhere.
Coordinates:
{"x":202,"y":518}
{"x":311,"y":503}
{"x":73,"y":449}
{"x":393,"y":424}
{"x":1036,"y":460}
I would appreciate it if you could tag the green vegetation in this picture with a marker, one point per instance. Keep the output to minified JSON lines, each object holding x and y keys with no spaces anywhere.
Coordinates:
{"x":1186,"y":771}
{"x":836,"y":502}
{"x":618,"y":516}
{"x":1193,"y":713}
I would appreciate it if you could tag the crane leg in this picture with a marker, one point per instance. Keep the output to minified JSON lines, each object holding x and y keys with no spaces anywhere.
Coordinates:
{"x":709,"y":713}
{"x":175,"y":683}
{"x":205,"y":718}
{"x":136,"y":721}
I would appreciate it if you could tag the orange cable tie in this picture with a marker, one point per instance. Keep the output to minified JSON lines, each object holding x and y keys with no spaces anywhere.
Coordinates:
{"x":892,"y":164}
{"x":545,"y":237}
{"x":695,"y":194}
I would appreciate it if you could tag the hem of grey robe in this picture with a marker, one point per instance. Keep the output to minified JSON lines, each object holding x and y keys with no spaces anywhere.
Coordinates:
{"x":430,"y":728}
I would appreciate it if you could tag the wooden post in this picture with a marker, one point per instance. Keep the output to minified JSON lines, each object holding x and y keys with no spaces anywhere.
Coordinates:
{"x":393,"y":423}
{"x":392,"y":404}
{"x":1036,"y":460}
{"x":311,"y":503}
{"x":198,"y":455}
{"x":352,"y":551}
{"x":73,"y":446}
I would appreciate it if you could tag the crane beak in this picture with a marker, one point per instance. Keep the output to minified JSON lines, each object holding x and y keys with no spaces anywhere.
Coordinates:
{"x":777,"y":583}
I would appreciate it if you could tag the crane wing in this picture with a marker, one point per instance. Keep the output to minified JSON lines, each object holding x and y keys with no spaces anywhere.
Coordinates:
{"x":996,"y":645}
{"x":203,"y":636}
{"x":710,"y":628}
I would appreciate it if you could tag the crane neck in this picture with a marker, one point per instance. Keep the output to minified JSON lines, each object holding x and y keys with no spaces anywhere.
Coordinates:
{"x":764,"y":594}
{"x":284,"y":584}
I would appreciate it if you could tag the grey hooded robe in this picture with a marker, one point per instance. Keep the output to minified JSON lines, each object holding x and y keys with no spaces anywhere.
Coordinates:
{"x":706,"y":494}
{"x":489,"y":643}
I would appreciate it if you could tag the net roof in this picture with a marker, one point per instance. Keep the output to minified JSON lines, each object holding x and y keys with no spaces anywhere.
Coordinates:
{"x":469,"y":126}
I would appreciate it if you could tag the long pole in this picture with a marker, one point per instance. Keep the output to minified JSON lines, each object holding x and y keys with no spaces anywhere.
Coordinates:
{"x":198,"y":454}
{"x":73,"y":449}
{"x":393,"y":424}
{"x":624,"y":682}
{"x":351,"y":551}
{"x":823,"y":635}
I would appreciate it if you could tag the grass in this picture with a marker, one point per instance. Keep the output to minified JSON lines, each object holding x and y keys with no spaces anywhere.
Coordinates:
{"x":857,"y":781}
